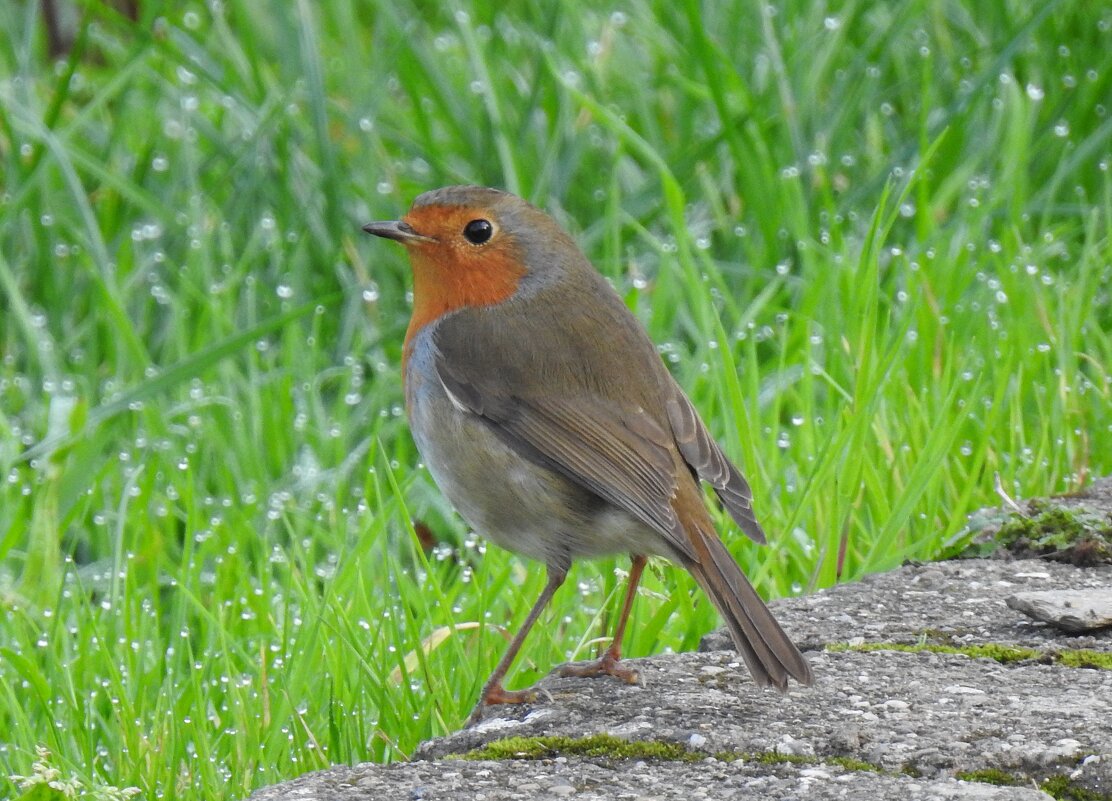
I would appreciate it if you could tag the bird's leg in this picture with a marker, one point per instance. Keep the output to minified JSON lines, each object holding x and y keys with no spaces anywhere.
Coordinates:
{"x":607,"y":664}
{"x":493,"y":691}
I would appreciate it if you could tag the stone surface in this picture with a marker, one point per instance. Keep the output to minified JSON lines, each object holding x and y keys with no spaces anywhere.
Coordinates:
{"x":596,"y":780}
{"x":932,"y":714}
{"x":961,"y":602}
{"x":895,"y":722}
{"x":920,"y":719}
{"x":1072,"y":611}
{"x":1096,"y":497}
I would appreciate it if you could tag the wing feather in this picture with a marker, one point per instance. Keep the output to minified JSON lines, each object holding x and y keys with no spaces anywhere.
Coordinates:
{"x":702,"y":453}
{"x":620,"y":454}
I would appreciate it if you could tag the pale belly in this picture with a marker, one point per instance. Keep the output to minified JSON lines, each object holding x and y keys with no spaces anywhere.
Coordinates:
{"x":516,"y":503}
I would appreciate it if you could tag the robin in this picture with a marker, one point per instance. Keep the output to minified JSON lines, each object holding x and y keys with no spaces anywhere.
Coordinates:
{"x":546,"y":417}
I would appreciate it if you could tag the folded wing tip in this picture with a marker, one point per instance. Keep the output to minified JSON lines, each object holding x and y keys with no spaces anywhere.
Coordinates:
{"x":753,"y":531}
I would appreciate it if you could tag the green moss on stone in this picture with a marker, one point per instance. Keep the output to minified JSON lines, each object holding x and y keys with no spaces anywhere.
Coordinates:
{"x":1084,"y":658}
{"x":849,"y":763}
{"x":1077,"y":535}
{"x":1063,"y":789}
{"x":595,"y":745}
{"x":1004,"y":654}
{"x":776,"y":758}
{"x":992,"y":776}
{"x":607,"y":746}
{"x":1059,"y":787}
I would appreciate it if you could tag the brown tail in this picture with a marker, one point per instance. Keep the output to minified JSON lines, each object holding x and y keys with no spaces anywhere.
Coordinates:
{"x":768,"y":652}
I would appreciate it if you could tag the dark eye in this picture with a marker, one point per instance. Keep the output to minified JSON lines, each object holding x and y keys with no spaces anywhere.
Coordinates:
{"x":478,"y":231}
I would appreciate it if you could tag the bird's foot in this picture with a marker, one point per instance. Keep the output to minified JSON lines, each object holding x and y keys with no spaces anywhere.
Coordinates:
{"x":605,"y":665}
{"x":492,"y":696}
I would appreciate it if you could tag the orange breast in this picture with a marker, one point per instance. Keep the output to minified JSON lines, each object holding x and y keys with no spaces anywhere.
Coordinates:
{"x":449,"y":278}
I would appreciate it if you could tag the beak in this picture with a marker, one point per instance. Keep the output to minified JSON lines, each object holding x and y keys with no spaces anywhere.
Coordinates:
{"x":397,"y":230}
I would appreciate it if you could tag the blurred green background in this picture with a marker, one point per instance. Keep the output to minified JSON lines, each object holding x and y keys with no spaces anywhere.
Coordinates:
{"x":870,"y":239}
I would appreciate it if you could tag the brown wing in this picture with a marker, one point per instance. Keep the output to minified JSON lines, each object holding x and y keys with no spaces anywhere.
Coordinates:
{"x":620,"y":454}
{"x":702,"y":453}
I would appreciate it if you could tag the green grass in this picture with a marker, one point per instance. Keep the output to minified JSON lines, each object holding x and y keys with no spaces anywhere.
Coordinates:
{"x":872,"y":241}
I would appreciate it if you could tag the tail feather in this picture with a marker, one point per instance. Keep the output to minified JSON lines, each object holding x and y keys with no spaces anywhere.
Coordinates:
{"x":768,"y":652}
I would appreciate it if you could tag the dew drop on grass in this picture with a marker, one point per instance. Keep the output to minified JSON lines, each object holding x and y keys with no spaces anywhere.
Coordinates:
{"x":184,"y":75}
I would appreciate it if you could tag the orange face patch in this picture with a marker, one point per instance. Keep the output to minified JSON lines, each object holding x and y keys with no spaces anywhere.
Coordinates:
{"x":451,"y":272}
